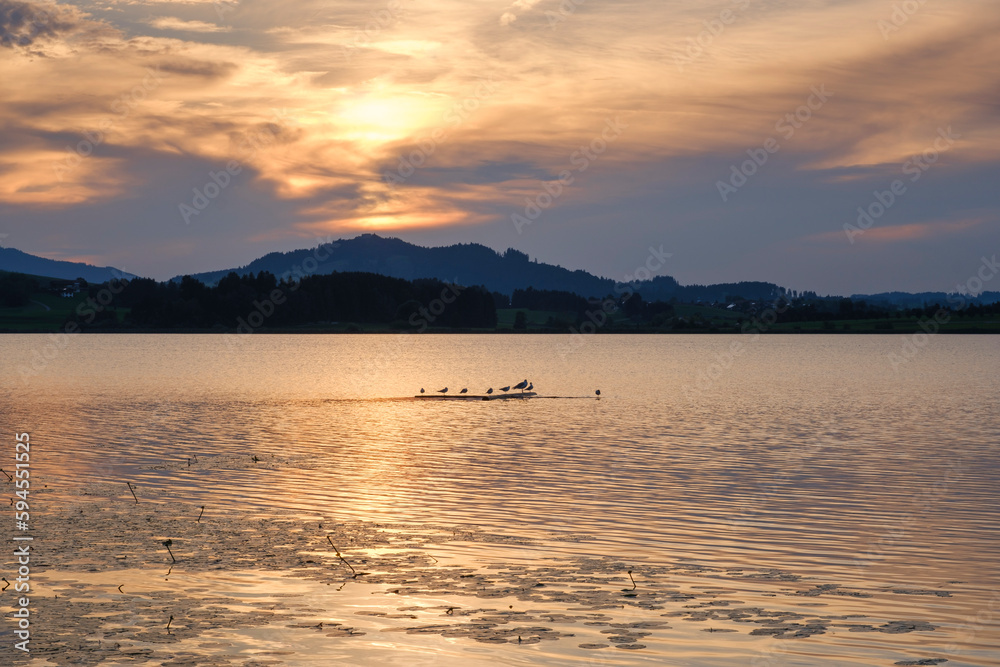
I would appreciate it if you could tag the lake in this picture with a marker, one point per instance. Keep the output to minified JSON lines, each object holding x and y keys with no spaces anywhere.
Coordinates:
{"x":771,"y":500}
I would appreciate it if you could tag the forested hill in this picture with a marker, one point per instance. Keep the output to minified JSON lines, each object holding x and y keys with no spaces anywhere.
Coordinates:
{"x":472,"y":264}
{"x":464,"y":264}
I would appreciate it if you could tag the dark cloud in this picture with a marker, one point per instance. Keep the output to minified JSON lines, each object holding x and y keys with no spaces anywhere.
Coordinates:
{"x":198,"y":68}
{"x":23,"y":23}
{"x":36,"y":109}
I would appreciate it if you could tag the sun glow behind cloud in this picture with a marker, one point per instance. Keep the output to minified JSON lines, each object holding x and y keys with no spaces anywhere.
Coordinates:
{"x":377,"y":119}
{"x":320,"y":101}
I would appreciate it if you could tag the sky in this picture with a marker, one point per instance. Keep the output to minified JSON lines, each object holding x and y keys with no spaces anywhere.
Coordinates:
{"x":838,"y":146}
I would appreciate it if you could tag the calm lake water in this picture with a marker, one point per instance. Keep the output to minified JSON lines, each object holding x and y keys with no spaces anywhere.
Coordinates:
{"x":826,"y":457}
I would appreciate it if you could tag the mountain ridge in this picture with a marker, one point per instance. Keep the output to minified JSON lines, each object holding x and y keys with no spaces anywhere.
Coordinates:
{"x":466,"y":264}
{"x":473,"y":264}
{"x":512,"y":269}
{"x":18,"y":261}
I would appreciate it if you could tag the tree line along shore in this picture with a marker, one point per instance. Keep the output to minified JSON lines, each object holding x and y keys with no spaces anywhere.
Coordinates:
{"x":357,"y":302}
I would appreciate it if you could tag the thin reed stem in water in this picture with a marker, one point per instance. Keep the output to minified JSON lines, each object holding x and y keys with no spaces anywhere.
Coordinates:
{"x":167,"y":545}
{"x":337,"y":551}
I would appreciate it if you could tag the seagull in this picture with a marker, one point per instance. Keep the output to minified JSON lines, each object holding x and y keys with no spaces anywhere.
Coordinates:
{"x":505,"y":389}
{"x":490,"y":390}
{"x":531,"y":386}
{"x":443,"y":391}
{"x":421,"y":390}
{"x":521,"y":385}
{"x":464,"y":391}
{"x":598,"y":392}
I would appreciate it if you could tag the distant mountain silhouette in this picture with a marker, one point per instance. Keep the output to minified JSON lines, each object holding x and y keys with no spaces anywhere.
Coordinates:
{"x":924,"y":299}
{"x":474,"y":264}
{"x":466,"y":264}
{"x":15,"y":261}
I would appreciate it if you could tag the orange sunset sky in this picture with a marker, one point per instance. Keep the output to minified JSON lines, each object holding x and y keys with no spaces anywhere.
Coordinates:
{"x":628,"y":124}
